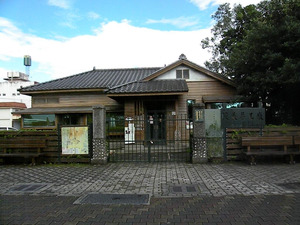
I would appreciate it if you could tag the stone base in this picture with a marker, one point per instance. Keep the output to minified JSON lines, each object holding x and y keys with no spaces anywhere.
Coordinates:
{"x":199,"y":150}
{"x":199,"y":160}
{"x":99,"y":161}
{"x":99,"y":151}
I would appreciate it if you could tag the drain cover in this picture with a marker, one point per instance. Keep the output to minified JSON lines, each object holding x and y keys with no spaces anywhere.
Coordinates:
{"x":292,"y":186}
{"x":111,"y":199}
{"x":184,"y":189}
{"x":27,"y":187}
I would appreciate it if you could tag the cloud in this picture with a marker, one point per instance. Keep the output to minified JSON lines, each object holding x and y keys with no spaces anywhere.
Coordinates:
{"x":69,"y":19}
{"x":93,"y":15}
{"x":180,"y":22}
{"x":64,"y":4}
{"x":113,"y":45}
{"x":203,"y":4}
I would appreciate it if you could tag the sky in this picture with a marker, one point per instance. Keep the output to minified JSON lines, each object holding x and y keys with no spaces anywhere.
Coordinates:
{"x":67,"y":37}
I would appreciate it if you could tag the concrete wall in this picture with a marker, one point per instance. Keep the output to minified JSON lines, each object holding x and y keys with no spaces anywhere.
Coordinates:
{"x":9,"y":92}
{"x":5,"y":118}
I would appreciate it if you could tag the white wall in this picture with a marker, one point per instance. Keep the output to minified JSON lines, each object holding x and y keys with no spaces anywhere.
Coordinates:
{"x":9,"y":93}
{"x":194,"y":75}
{"x":5,"y":117}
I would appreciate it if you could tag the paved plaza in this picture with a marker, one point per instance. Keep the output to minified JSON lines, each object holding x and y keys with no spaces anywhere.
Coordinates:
{"x":179,"y":193}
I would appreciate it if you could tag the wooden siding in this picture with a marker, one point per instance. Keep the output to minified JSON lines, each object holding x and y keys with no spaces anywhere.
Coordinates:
{"x":199,"y":89}
{"x":129,"y":108}
{"x":76,"y":99}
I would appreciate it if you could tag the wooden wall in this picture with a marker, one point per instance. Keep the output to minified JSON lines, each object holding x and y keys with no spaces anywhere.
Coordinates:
{"x":204,"y":88}
{"x":75,"y":99}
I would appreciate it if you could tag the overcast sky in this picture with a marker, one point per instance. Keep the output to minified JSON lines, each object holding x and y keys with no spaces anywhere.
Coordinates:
{"x":66,"y":37}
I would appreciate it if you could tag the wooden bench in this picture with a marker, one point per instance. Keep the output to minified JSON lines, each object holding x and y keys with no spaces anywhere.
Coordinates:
{"x":297,"y":141}
{"x":267,"y":146}
{"x":25,"y":148}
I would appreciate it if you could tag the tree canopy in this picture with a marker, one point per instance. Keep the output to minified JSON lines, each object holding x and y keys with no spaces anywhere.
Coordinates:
{"x":258,"y":46}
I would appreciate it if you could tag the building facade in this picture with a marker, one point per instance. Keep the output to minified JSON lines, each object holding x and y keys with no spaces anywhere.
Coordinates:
{"x":148,"y":93}
{"x":11,"y":99}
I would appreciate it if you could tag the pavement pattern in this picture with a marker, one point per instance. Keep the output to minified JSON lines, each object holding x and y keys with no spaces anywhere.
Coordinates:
{"x":180,"y":193}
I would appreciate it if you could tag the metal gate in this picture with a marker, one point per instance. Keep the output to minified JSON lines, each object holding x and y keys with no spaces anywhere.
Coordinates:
{"x":156,"y":137}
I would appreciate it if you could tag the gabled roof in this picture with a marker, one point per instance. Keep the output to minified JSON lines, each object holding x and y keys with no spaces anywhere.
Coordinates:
{"x":153,"y":86}
{"x":120,"y":81}
{"x":184,"y":62}
{"x":94,"y":79}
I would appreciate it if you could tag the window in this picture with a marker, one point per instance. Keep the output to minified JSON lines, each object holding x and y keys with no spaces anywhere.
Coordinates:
{"x":138,"y":108}
{"x":189,"y":123}
{"x":39,"y":101}
{"x":47,"y":120}
{"x":45,"y":100}
{"x":190,"y":104}
{"x":182,"y":74}
{"x":52,"y":100}
{"x":220,"y":105}
{"x":72,"y":119}
{"x":3,"y":94}
{"x":115,"y":121}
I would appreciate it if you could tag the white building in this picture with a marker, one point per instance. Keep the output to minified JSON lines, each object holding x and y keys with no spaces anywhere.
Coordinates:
{"x":7,"y":119}
{"x":11,"y":99}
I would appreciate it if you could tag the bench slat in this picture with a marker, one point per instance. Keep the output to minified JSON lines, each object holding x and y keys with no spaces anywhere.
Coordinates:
{"x":267,"y":141}
{"x":26,"y":148}
{"x":24,"y":155}
{"x":31,"y":145}
{"x":23,"y":141}
{"x":297,"y":140}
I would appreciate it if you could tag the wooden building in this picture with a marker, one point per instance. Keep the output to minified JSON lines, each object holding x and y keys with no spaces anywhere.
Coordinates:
{"x":146,"y":93}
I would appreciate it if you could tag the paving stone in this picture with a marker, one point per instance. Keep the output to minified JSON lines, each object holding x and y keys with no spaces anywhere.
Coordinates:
{"x":228,"y":185}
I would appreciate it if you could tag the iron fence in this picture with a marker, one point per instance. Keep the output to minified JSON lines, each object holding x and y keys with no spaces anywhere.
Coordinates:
{"x":152,"y":138}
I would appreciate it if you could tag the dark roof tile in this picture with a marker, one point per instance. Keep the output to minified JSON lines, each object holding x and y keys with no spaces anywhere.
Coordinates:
{"x":152,"y":86}
{"x":103,"y":79}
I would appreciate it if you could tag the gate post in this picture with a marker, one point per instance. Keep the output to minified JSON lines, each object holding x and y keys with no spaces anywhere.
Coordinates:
{"x":199,"y":139}
{"x":99,"y":136}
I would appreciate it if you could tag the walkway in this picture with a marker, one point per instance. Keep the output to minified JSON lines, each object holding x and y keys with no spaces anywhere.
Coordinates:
{"x":157,"y":180}
{"x":178,"y":194}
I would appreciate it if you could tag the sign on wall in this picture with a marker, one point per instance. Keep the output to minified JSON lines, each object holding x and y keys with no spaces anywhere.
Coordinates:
{"x":243,"y":118}
{"x":74,"y":140}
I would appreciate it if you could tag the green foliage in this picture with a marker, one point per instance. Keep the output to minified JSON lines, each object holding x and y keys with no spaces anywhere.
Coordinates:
{"x":258,"y":46}
{"x":237,"y":134}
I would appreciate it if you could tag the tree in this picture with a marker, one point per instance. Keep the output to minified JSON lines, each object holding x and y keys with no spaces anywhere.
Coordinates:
{"x":258,"y":46}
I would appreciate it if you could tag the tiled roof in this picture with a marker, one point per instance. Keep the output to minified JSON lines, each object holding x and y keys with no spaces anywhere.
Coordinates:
{"x":103,"y":79}
{"x":118,"y":81}
{"x":152,"y":86}
{"x":12,"y":105}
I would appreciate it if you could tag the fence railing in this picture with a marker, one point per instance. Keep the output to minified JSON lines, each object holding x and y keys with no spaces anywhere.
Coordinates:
{"x":150,"y":139}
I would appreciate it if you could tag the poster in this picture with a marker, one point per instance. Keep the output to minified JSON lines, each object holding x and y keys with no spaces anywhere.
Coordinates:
{"x":74,"y":140}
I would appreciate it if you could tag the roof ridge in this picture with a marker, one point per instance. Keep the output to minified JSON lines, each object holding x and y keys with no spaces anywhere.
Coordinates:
{"x":121,"y":85}
{"x":129,"y":68}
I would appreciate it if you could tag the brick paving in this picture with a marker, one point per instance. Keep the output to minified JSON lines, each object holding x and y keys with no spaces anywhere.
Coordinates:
{"x":231,"y":193}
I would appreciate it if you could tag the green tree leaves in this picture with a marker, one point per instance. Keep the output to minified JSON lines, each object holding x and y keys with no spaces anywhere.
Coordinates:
{"x":258,"y":46}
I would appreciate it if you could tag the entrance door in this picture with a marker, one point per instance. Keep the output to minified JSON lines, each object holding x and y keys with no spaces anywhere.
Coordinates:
{"x":156,"y":127}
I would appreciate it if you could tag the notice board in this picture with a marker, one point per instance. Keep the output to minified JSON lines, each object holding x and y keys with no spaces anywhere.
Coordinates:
{"x":74,"y":140}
